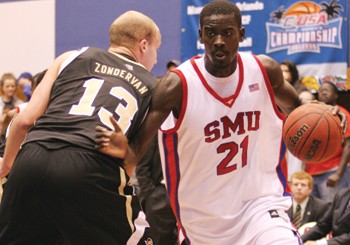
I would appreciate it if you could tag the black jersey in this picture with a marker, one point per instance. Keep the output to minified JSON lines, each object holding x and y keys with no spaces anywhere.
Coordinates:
{"x":89,"y":89}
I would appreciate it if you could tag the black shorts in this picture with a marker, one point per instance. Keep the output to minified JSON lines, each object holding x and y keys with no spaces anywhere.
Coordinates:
{"x":67,"y":195}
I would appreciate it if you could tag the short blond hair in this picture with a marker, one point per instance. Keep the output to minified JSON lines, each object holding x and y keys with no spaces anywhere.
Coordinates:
{"x":132,"y":27}
{"x":302,"y":175}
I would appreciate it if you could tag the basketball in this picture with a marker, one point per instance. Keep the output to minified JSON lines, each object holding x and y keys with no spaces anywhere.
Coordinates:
{"x":302,"y":8}
{"x":312,"y":133}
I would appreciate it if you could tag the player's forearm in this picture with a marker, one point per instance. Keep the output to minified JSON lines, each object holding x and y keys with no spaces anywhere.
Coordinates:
{"x":15,"y":139}
{"x":130,"y":162}
{"x":345,"y":158}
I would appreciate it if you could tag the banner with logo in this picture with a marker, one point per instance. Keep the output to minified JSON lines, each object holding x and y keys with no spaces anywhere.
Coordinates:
{"x":312,"y":34}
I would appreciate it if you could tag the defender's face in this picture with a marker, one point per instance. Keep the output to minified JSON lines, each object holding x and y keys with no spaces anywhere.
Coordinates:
{"x":220,"y":35}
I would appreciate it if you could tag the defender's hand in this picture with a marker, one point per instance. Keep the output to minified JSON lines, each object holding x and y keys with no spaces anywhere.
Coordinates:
{"x":113,"y":143}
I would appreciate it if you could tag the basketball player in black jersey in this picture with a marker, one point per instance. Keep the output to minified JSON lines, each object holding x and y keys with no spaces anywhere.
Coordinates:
{"x":61,"y":188}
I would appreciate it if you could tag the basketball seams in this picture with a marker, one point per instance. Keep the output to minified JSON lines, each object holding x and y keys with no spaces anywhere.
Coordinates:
{"x":312,"y":130}
{"x":312,"y":133}
{"x":336,"y":121}
{"x":328,"y":137}
{"x":290,"y":126}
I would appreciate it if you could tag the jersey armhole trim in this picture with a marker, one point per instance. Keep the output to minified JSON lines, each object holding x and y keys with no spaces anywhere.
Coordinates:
{"x":71,"y":58}
{"x":269,"y":89}
{"x":183,"y":104}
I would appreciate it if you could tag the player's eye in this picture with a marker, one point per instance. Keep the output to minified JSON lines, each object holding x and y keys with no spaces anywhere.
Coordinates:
{"x":227,"y":33}
{"x":210,"y":33}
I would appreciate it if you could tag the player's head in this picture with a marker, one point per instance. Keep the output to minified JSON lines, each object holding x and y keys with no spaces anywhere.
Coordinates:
{"x":301,"y":185}
{"x":37,"y":78}
{"x":328,"y":93}
{"x":138,"y":33}
{"x":290,"y":71}
{"x":220,"y":7}
{"x":220,"y":30}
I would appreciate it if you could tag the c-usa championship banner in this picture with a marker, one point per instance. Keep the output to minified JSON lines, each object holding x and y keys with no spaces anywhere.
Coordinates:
{"x":313,"y":34}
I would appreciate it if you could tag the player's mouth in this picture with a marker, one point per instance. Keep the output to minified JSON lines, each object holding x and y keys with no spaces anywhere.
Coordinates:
{"x":220,"y":55}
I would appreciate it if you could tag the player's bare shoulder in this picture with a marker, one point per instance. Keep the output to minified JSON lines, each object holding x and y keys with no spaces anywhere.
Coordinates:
{"x":171,"y":81}
{"x":273,"y":70}
{"x":168,"y":93}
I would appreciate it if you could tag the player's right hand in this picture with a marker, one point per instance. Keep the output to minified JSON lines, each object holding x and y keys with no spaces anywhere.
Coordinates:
{"x":333,"y":180}
{"x":113,"y":143}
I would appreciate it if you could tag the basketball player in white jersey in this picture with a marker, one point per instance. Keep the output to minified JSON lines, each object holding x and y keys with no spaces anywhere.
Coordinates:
{"x":221,"y":139}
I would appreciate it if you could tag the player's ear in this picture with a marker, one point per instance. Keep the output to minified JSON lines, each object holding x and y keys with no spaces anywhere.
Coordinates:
{"x":143,"y":46}
{"x":200,"y":36}
{"x":242,"y":34}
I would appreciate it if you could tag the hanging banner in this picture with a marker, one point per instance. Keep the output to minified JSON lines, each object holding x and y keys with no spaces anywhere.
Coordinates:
{"x":312,"y":34}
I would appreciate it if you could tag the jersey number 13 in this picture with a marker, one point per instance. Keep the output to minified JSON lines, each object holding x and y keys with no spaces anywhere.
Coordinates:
{"x":126,"y":111}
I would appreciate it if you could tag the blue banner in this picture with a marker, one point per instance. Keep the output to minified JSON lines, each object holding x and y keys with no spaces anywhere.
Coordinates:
{"x":313,"y":34}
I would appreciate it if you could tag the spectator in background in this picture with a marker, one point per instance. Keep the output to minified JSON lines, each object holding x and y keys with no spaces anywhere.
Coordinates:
{"x":305,"y":208}
{"x":10,"y":114}
{"x":335,"y":220}
{"x":8,"y":100}
{"x":25,"y":82}
{"x":307,"y":95}
{"x":291,"y":75}
{"x":170,"y":66}
{"x":334,"y":174}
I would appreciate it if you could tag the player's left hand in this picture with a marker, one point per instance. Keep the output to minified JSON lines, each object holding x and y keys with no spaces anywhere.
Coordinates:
{"x":113,"y":143}
{"x":333,"y":180}
{"x":341,"y":115}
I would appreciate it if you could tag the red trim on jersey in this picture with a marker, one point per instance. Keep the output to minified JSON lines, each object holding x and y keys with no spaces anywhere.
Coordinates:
{"x":183,"y":104}
{"x":172,"y":173}
{"x":228,"y":101}
{"x":171,"y":161}
{"x":270,"y":90}
{"x":282,"y":170}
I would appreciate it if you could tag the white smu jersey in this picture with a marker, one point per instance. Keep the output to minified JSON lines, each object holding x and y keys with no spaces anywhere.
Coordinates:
{"x":221,"y":156}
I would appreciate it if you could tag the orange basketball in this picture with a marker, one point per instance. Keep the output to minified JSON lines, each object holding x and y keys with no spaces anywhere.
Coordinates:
{"x":302,"y":8}
{"x":312,"y":133}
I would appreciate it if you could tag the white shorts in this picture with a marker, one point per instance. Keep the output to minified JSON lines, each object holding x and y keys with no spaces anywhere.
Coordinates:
{"x":270,"y":228}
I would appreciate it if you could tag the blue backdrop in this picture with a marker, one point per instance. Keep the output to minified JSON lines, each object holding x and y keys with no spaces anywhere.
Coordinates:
{"x":312,"y":34}
{"x":86,"y":23}
{"x":273,"y":28}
